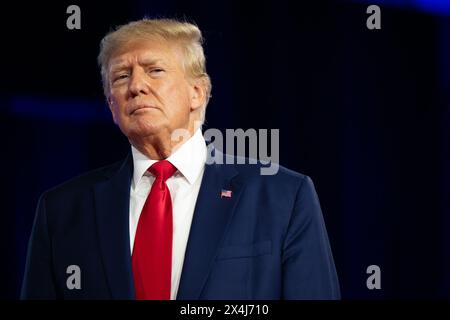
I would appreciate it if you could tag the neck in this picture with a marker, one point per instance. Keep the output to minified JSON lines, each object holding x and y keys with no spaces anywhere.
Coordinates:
{"x":161,"y":146}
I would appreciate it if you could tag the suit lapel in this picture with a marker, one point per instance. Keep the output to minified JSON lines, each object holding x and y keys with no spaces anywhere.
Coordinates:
{"x":211,"y":217}
{"x":112,"y":199}
{"x":210,"y":221}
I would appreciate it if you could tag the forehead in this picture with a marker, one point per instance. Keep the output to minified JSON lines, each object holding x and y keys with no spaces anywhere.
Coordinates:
{"x":145,"y":51}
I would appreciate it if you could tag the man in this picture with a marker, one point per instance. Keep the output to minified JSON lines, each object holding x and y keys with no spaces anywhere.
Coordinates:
{"x":163,"y":224}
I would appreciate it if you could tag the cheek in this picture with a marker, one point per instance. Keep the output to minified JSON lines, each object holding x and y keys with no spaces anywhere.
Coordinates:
{"x":117,"y":104}
{"x":114,"y":113}
{"x":181,"y":108}
{"x":179,"y":96}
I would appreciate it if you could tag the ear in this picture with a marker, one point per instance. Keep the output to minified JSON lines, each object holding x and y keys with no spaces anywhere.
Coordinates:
{"x":111,"y":108}
{"x":197,"y":94}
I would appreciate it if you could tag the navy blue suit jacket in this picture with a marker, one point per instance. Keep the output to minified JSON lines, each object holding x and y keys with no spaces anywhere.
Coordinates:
{"x":267,"y":241}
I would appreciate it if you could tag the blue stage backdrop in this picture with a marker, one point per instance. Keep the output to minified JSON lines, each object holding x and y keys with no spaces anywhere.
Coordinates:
{"x":365,"y":113}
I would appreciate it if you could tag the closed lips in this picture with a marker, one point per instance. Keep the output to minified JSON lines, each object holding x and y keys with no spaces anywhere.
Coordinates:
{"x":140,"y":107}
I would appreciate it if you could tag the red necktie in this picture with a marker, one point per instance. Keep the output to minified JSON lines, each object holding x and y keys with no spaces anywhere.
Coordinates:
{"x":152,"y":251}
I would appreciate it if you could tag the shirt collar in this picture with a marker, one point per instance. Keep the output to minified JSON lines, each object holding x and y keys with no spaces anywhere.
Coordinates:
{"x":189,"y":159}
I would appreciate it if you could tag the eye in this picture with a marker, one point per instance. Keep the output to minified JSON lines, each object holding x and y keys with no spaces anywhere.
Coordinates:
{"x":120,"y":77}
{"x":156,"y":71}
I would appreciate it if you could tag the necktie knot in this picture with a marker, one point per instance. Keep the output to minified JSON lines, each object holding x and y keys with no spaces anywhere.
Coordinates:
{"x":162,"y":170}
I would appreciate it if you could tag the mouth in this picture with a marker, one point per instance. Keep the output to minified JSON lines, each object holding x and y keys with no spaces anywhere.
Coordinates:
{"x":136,"y":108}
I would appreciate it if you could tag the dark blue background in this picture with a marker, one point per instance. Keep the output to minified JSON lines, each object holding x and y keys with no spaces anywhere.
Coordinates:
{"x":365,"y":113}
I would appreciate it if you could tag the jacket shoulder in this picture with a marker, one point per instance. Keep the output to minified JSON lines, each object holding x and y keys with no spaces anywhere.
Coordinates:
{"x":83,"y":181}
{"x":254,"y":170}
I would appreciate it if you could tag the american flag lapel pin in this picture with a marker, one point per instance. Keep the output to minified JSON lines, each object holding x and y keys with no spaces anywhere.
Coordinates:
{"x":225,"y":193}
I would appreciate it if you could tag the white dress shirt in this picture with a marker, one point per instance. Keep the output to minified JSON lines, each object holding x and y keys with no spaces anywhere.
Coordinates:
{"x":184,"y":186}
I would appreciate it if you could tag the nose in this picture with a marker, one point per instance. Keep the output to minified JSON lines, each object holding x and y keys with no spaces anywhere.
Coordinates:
{"x":138,"y":84}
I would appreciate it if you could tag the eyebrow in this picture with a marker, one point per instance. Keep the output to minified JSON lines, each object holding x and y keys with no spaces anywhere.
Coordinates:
{"x":123,"y":65}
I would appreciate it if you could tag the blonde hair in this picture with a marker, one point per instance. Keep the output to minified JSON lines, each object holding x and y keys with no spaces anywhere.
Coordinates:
{"x":188,"y":35}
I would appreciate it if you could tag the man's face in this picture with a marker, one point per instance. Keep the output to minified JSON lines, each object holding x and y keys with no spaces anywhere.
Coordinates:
{"x":150,"y":94}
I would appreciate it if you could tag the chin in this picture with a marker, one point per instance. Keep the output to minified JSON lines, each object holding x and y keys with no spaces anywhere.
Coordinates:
{"x":144,"y":129}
